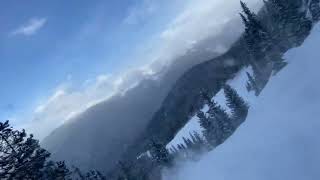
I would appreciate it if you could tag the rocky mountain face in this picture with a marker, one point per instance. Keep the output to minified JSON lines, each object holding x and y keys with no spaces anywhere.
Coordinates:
{"x":121,"y":127}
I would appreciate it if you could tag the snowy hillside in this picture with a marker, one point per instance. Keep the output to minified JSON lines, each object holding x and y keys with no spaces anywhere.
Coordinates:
{"x":280,"y":138}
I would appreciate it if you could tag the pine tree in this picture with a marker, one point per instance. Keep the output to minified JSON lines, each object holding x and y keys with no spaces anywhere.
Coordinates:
{"x":181,"y":147}
{"x":266,"y":56}
{"x":173,"y":150}
{"x":190,"y":149}
{"x":239,"y":108}
{"x":290,"y":21}
{"x":95,"y":175}
{"x":222,"y":122}
{"x":21,"y":157}
{"x":159,"y":153}
{"x":194,"y":146}
{"x":209,"y":130}
{"x":199,"y":144}
{"x":188,"y":142}
{"x":206,"y":97}
{"x":256,"y":36}
{"x":216,"y":126}
{"x":252,"y":84}
{"x":216,"y":123}
{"x":259,"y":42}
{"x":56,"y":171}
{"x":315,"y":10}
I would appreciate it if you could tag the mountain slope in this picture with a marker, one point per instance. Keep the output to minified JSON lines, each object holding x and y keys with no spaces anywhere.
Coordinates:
{"x":122,"y":126}
{"x":97,"y":137}
{"x":185,"y":97}
{"x":279,"y":140}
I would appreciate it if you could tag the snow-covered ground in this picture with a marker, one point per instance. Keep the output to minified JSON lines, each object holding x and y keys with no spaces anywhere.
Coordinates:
{"x":280,"y":139}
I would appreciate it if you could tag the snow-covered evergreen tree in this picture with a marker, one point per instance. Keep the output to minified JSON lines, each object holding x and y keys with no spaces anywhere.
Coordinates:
{"x":21,"y":157}
{"x":239,"y":108}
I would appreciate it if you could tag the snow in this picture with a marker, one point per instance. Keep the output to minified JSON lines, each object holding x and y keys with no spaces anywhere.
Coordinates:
{"x":280,"y":139}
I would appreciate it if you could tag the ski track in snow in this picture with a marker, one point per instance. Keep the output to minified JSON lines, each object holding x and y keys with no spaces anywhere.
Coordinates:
{"x":280,"y":138}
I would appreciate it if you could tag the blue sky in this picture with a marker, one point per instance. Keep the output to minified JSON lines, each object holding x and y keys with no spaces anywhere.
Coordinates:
{"x":44,"y":43}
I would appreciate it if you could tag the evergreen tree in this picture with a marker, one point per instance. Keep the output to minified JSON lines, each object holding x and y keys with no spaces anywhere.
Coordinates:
{"x":222,"y":122}
{"x":239,"y":108}
{"x":289,"y":20}
{"x":173,"y":150}
{"x":95,"y":175}
{"x":181,"y":147}
{"x":21,"y":157}
{"x":56,"y":171}
{"x":252,"y":84}
{"x":256,"y":36}
{"x":216,"y":126}
{"x":206,"y":97}
{"x":198,"y":143}
{"x":315,"y":10}
{"x":159,"y":153}
{"x":191,"y":149}
{"x":188,"y":143}
{"x":209,"y":130}
{"x":259,"y":42}
{"x":266,"y":57}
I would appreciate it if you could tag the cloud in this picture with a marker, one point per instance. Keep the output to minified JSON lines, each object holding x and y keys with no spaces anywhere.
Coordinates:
{"x":31,"y":27}
{"x":68,"y":100}
{"x":196,"y":22}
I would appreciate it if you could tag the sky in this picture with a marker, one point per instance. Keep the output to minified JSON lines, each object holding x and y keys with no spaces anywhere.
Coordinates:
{"x":57,"y":58}
{"x":279,"y":139}
{"x":47,"y":43}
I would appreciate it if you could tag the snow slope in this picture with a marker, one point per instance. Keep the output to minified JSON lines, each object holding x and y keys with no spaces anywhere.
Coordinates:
{"x":280,"y":139}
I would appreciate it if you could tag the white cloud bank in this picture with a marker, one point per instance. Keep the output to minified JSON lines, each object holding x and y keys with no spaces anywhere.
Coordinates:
{"x":197,"y":21}
{"x":31,"y":27}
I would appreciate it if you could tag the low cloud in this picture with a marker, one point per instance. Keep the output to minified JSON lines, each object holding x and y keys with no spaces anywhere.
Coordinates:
{"x":68,"y":100}
{"x":198,"y":21}
{"x":30,"y":28}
